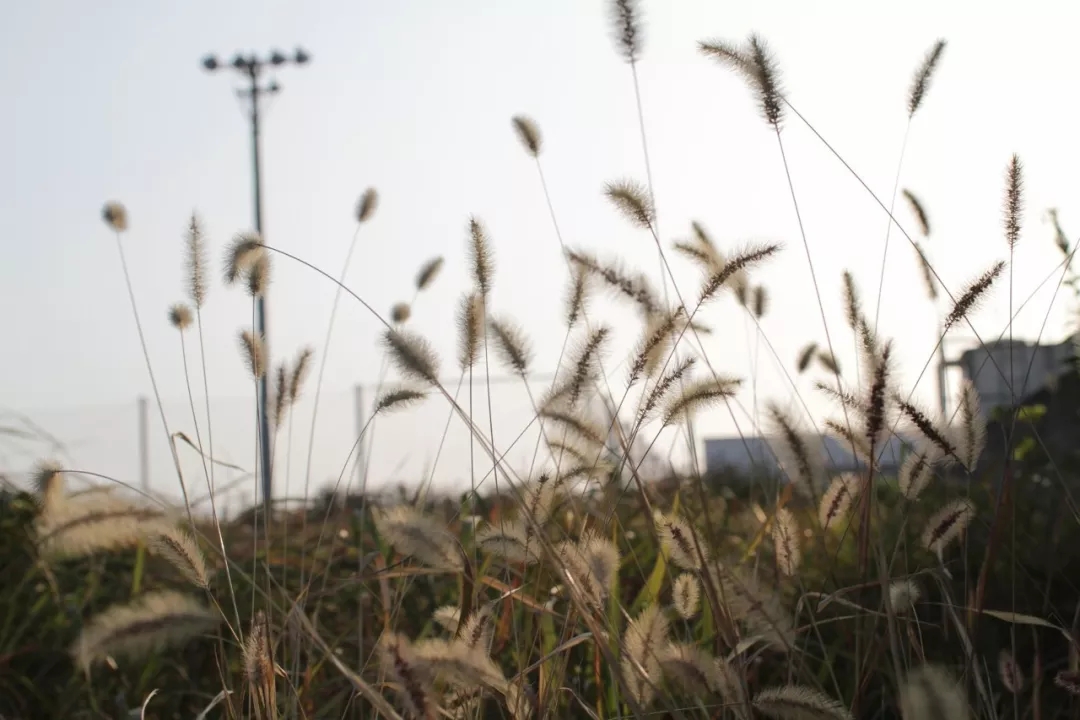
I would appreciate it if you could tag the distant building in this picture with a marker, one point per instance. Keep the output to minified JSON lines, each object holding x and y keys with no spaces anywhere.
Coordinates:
{"x":755,"y":455}
{"x":1031,"y":367}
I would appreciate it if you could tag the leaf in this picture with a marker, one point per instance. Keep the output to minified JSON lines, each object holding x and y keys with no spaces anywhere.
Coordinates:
{"x":651,"y":591}
{"x":1019,"y":619}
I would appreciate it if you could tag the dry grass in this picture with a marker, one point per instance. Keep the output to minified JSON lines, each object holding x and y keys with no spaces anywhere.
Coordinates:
{"x":588,"y":585}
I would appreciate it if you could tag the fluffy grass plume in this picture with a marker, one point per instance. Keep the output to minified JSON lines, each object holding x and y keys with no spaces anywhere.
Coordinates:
{"x":412,"y":533}
{"x":697,"y":395}
{"x":761,"y":301}
{"x":633,"y":201}
{"x":577,"y":293}
{"x":259,"y":668}
{"x":528,"y":133}
{"x":1010,"y":672}
{"x":652,"y":348}
{"x":115,"y":216}
{"x":970,"y":433}
{"x":48,"y":482}
{"x":470,"y":322}
{"x":837,"y":501}
{"x":511,"y":344}
{"x":935,"y":435}
{"x":153,"y":621}
{"x":254,"y":352}
{"x":800,"y":462}
{"x":929,"y":693}
{"x":366,"y":205}
{"x":903,"y":594}
{"x":929,"y":281}
{"x":299,"y":373}
{"x":180,"y":316}
{"x":398,"y":659}
{"x":257,"y":279}
{"x":918,"y":211}
{"x":508,"y":540}
{"x":626,"y":24}
{"x":96,"y":522}
{"x":785,"y":532}
{"x":828,"y":361}
{"x":179,"y":548}
{"x":658,"y":393}
{"x":917,"y":471}
{"x":1014,"y":200}
{"x":585,"y":363}
{"x":925,"y":72}
{"x":398,"y":398}
{"x":755,"y":606}
{"x":972,"y":294}
{"x":428,"y":272}
{"x":947,"y":525}
{"x":686,"y":595}
{"x":412,"y":355}
{"x":681,"y":542}
{"x":481,"y":257}
{"x":733,"y":269}
{"x":692,"y":669}
{"x":643,"y":643}
{"x":195,"y":260}
{"x":795,"y":702}
{"x":242,"y":254}
{"x":806,"y":356}
{"x":634,"y":286}
{"x":400,"y":313}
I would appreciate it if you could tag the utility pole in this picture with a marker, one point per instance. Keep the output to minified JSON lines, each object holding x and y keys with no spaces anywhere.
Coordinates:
{"x":251,"y":68}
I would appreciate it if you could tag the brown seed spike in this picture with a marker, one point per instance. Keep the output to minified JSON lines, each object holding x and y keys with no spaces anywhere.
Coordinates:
{"x":727,"y":54}
{"x":633,"y":201}
{"x":511,"y":344}
{"x":400,"y":313}
{"x":806,"y":356}
{"x":115,"y":216}
{"x":576,"y":296}
{"x":480,"y":256}
{"x":921,"y":82}
{"x":971,"y":295}
{"x":412,"y":354}
{"x":852,"y":303}
{"x":180,"y":316}
{"x":528,"y":133}
{"x":761,"y":301}
{"x":428,"y":272}
{"x":470,"y":321}
{"x":244,"y":251}
{"x":365,"y":207}
{"x":767,"y":80}
{"x":299,"y":373}
{"x":254,"y":353}
{"x":918,"y":211}
{"x":196,"y":261}
{"x":1014,"y":196}
{"x":927,"y":273}
{"x":626,"y":20}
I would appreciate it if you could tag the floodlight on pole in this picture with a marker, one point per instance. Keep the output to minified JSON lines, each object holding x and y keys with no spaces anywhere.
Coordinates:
{"x":251,"y":67}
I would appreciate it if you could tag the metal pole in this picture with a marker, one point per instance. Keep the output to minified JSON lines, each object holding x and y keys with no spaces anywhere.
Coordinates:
{"x":144,"y":444}
{"x":251,"y":67}
{"x":260,"y":301}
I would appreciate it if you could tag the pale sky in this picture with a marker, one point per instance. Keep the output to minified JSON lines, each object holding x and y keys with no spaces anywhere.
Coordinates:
{"x":415,"y":99}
